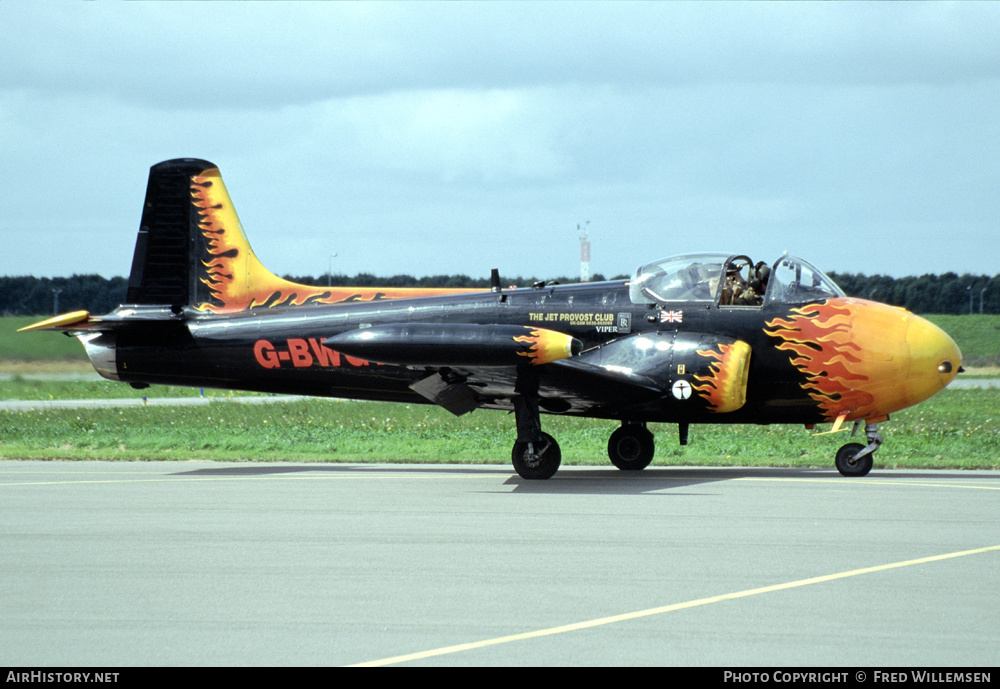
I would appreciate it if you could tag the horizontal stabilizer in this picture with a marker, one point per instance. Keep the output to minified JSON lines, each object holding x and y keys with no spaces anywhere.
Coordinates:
{"x":122,"y":318}
{"x":75,"y":319}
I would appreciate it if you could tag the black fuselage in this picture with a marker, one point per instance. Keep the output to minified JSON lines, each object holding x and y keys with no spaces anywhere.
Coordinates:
{"x":282,"y":351}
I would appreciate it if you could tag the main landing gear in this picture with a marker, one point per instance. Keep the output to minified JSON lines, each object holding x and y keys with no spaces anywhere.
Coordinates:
{"x":536,"y":455}
{"x":631,"y":447}
{"x":536,"y":459}
{"x":855,"y":459}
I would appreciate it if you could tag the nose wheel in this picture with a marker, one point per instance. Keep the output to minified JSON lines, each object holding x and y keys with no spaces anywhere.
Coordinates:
{"x":855,"y":459}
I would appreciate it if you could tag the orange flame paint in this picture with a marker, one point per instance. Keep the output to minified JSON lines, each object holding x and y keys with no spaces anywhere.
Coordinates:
{"x":545,"y":346}
{"x":820,"y":336}
{"x":725,"y":387}
{"x":237,"y":280}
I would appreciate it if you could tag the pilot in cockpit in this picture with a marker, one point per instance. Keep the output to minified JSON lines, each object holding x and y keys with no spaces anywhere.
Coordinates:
{"x":740,"y":291}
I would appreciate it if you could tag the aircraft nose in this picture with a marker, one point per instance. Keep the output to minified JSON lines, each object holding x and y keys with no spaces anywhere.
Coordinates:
{"x":934,"y":358}
{"x":867,"y":360}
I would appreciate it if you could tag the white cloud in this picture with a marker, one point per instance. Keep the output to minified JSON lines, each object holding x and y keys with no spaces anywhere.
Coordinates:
{"x":471,"y":128}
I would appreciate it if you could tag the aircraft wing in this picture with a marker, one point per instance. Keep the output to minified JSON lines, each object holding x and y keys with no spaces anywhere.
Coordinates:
{"x":565,"y":386}
{"x":472,"y":365}
{"x":590,"y":385}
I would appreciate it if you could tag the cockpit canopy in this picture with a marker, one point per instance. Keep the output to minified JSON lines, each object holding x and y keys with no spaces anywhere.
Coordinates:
{"x":730,"y":281}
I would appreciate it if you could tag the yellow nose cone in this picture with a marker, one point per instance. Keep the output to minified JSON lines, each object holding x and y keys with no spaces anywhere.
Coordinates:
{"x":934,"y":359}
{"x":905,"y":357}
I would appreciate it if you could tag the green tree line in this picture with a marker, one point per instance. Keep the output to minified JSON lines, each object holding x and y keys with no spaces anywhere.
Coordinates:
{"x":945,"y":294}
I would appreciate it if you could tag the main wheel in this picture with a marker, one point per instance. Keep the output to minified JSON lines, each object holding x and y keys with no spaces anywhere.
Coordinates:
{"x":631,"y":448}
{"x":537,"y":460}
{"x":848,"y":466}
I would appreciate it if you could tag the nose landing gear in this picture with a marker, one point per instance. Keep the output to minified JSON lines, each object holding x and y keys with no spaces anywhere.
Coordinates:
{"x":855,"y":459}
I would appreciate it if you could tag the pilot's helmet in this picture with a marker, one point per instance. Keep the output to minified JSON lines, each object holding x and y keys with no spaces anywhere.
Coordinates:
{"x":761,"y":273}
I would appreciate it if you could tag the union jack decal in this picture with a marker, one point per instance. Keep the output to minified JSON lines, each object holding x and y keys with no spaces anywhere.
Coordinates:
{"x":671,"y":316}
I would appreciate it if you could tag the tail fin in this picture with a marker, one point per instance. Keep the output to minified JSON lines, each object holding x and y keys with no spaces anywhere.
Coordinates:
{"x":191,"y":251}
{"x":161,"y":266}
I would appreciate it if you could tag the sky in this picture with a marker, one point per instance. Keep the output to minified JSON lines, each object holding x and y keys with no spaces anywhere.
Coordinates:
{"x":451,"y":138}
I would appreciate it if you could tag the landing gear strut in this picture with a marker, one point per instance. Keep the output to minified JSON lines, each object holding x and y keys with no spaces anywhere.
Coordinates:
{"x":536,"y":455}
{"x":631,"y":447}
{"x":855,"y":459}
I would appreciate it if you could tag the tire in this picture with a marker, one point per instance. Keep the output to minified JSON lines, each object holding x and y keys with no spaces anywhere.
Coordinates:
{"x":537,"y":463}
{"x":847,"y":466}
{"x":631,"y":448}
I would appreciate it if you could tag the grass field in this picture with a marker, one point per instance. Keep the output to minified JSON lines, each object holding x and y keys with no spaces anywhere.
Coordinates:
{"x":955,"y":429}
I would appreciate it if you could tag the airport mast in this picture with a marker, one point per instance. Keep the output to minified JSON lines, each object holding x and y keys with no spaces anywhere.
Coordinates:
{"x":584,"y":252}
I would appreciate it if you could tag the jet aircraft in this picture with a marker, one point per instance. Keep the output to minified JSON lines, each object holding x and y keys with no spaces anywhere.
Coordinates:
{"x":693,"y":339}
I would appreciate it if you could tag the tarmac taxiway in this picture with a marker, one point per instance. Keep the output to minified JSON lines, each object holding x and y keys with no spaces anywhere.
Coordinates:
{"x":199,"y":563}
